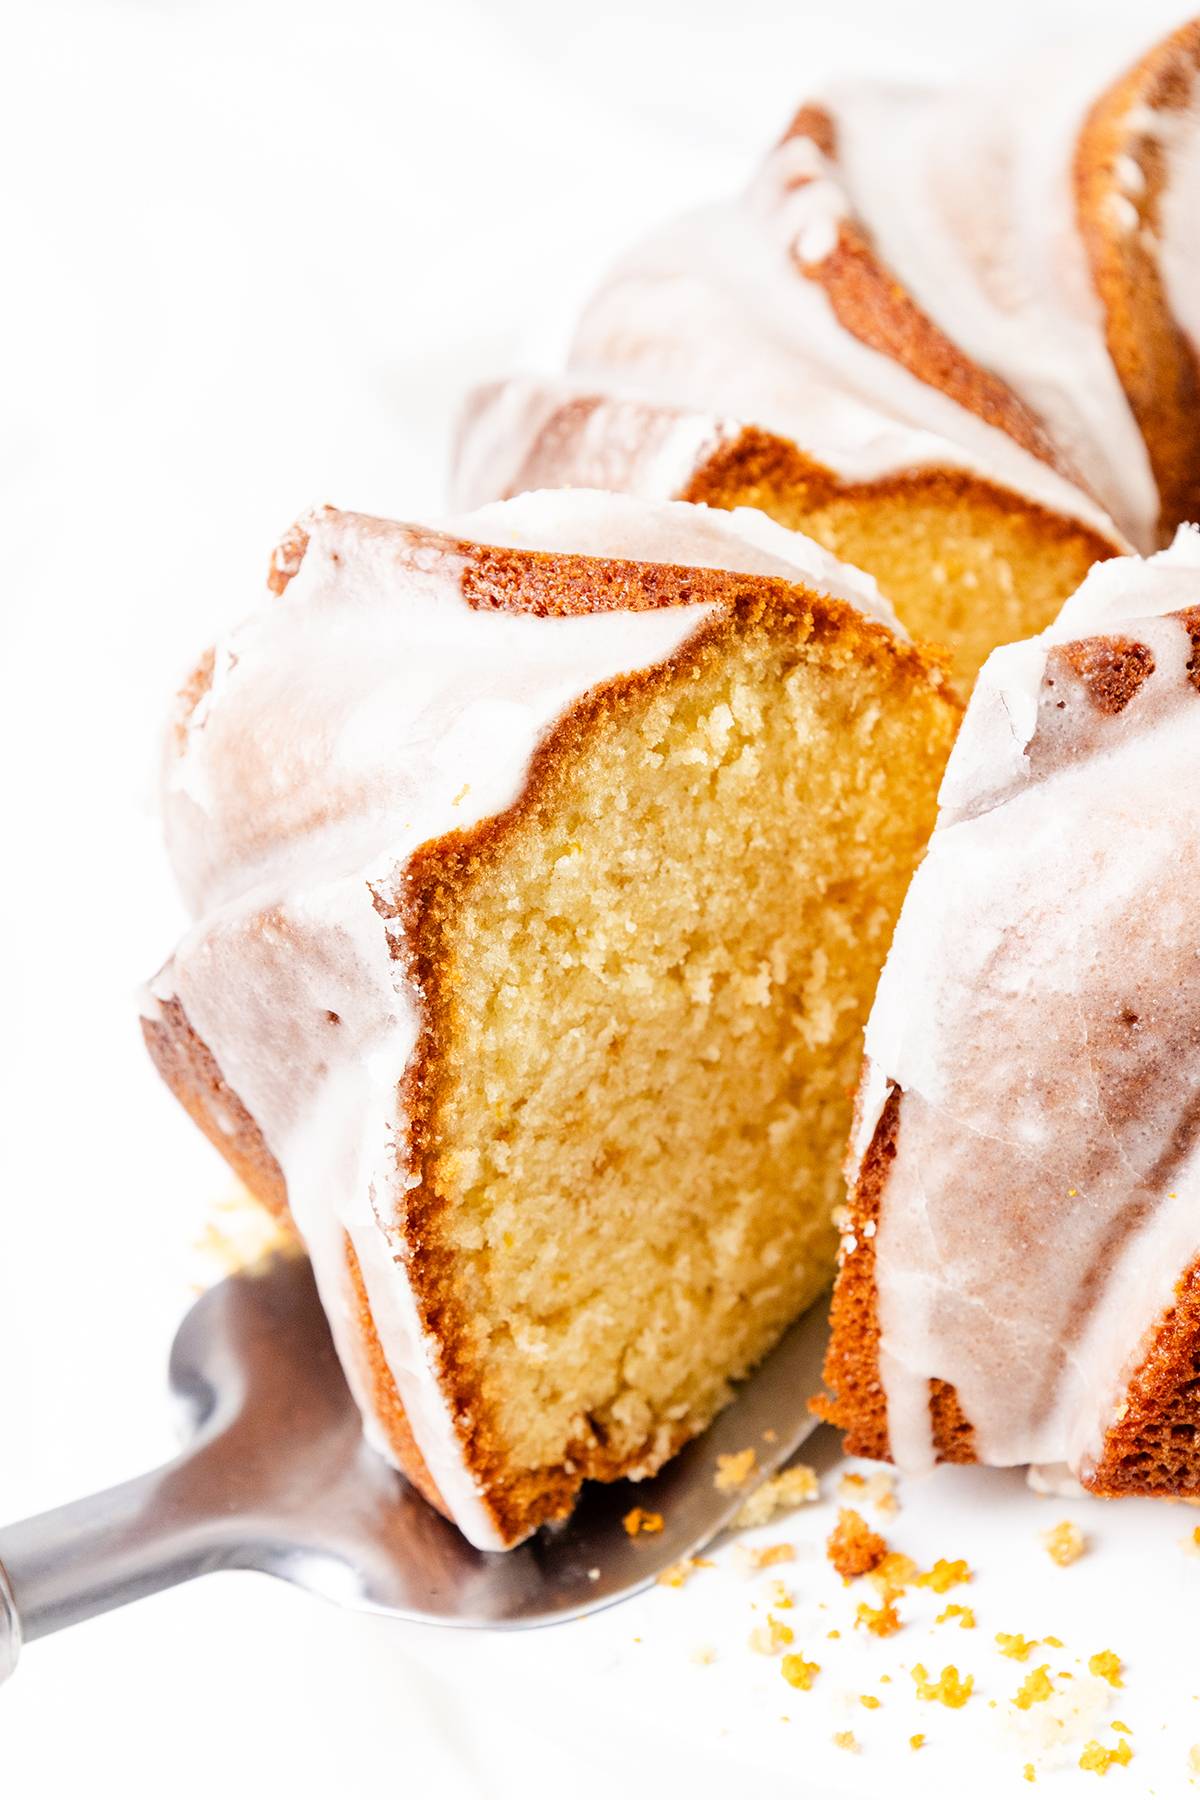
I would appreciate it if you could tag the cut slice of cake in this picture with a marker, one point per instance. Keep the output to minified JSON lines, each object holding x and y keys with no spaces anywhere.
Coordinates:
{"x":1020,"y":1265}
{"x":968,"y":561}
{"x":543,"y":865}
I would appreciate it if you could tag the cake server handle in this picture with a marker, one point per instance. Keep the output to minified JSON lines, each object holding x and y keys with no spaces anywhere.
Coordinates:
{"x":100,"y":1552}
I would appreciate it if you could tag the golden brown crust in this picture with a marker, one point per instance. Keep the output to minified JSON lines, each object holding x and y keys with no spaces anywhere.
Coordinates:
{"x":1120,"y":223}
{"x":874,"y":305}
{"x":1152,"y":1448}
{"x":856,"y":1402}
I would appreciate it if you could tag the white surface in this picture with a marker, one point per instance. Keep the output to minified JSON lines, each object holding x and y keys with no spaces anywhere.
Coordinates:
{"x":252,"y":254}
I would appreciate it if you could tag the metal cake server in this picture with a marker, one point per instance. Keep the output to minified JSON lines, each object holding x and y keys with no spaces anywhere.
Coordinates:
{"x":276,"y":1476}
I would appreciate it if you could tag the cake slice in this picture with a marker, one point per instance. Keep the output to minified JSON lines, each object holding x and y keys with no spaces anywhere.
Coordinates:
{"x":1020,"y":1264}
{"x":543,"y":865}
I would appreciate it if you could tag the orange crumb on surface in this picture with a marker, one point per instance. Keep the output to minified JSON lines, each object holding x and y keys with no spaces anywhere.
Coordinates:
{"x":1100,"y":1760}
{"x":1029,"y":1772}
{"x":949,"y":1688}
{"x":799,"y":1673}
{"x":1119,"y":1725}
{"x":916,"y":1740}
{"x":771,"y":1638}
{"x":780,"y":1597}
{"x":870,"y":1701}
{"x":637,"y":1521}
{"x":944,"y":1575}
{"x":883,"y":1620}
{"x":682,"y":1571}
{"x":964,"y":1614}
{"x":1064,"y":1542}
{"x":895,"y":1573}
{"x":846,"y":1740}
{"x":1107,"y":1664}
{"x":1036,"y":1686}
{"x":833,"y":1634}
{"x":1054,"y":1643}
{"x":853,"y":1548}
{"x":1013,"y":1644}
{"x":735,"y":1470}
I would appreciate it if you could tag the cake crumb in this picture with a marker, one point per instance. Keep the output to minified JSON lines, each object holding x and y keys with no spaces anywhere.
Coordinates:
{"x":964,"y":1614}
{"x":895,"y":1573}
{"x":846,"y":1740}
{"x":637,"y":1521}
{"x":835,"y":1633}
{"x":681,"y":1572}
{"x":778,"y":1493}
{"x":768,"y":1556}
{"x":853,"y":1548}
{"x":1013,"y":1644}
{"x":798,"y":1673}
{"x":1194,"y":1759}
{"x":1118,"y":1725}
{"x":1106,"y":1664}
{"x":917,"y":1740}
{"x":1100,"y":1760}
{"x":1029,"y":1773}
{"x":870,"y":1701}
{"x":944,"y":1575}
{"x":949,"y":1688}
{"x":1054,"y":1643}
{"x":1065,"y":1543}
{"x":1036,"y":1686}
{"x":734,"y":1470}
{"x":771,"y":1638}
{"x":780,"y":1596}
{"x":877,"y":1490}
{"x":883,"y":1620}
{"x":1191,"y":1543}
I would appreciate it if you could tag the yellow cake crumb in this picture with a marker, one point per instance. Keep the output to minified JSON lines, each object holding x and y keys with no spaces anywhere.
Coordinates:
{"x":846,"y":1740}
{"x":1107,"y":1664}
{"x":797,"y":1672}
{"x":780,"y":1596}
{"x":1100,"y":1760}
{"x":637,"y":1520}
{"x":916,"y":1740}
{"x":870,"y":1701}
{"x":895,"y":1573}
{"x":1036,"y":1686}
{"x":766,"y":1557}
{"x":779,"y":1493}
{"x":735,"y":1470}
{"x":1054,"y":1643}
{"x":944,"y":1575}
{"x":883,"y":1620}
{"x":682,"y":1571}
{"x":771,"y":1638}
{"x":964,"y":1614}
{"x":1028,"y":1772}
{"x":877,"y":1490}
{"x":1194,"y":1759}
{"x":1119,"y":1725}
{"x":949,"y":1688}
{"x":1013,"y":1644}
{"x":853,"y":1548}
{"x":833,"y":1634}
{"x":1065,"y":1543}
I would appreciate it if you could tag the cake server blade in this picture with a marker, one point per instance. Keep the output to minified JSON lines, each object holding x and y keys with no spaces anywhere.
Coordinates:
{"x":276,"y":1476}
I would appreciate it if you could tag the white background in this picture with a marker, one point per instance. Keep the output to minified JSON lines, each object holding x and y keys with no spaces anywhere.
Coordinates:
{"x":251,"y":253}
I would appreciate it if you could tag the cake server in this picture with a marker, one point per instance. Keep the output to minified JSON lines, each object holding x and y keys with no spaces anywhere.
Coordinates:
{"x":276,"y":1476}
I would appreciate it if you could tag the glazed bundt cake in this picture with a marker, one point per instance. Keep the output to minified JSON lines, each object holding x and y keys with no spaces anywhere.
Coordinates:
{"x":543,"y":865}
{"x":1020,"y":1262}
{"x":951,"y":333}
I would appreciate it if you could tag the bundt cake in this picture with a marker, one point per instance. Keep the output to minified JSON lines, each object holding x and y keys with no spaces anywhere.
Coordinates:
{"x":543,"y":865}
{"x":951,"y":333}
{"x":1020,"y":1261}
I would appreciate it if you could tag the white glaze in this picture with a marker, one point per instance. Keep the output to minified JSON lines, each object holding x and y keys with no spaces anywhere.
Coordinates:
{"x":367,"y":711}
{"x":712,"y":315}
{"x":1056,"y":901}
{"x":967,"y":193}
